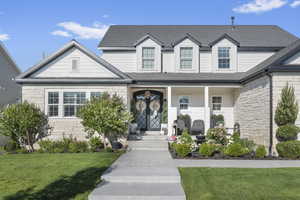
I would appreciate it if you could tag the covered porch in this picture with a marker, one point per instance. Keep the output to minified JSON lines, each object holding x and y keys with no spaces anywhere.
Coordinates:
{"x":160,"y":106}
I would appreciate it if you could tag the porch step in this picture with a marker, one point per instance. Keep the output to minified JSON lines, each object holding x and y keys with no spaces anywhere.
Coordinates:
{"x":143,"y":175}
{"x":138,"y":191}
{"x":153,"y":133}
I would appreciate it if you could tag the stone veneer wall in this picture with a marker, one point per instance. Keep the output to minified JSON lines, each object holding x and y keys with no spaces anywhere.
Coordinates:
{"x":66,"y":126}
{"x":252,"y":110}
{"x":279,"y":81}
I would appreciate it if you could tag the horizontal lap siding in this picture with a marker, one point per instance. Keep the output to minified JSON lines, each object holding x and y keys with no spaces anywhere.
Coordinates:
{"x":66,"y":126}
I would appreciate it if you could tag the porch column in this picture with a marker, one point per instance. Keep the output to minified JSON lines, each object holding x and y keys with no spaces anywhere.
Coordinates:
{"x":206,"y":109}
{"x":170,"y":128}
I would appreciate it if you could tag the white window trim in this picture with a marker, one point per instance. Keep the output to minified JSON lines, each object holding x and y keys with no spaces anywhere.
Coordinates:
{"x":224,"y":69}
{"x":192,"y":58}
{"x":188,"y":104}
{"x":142,"y":66}
{"x":217,"y":103}
{"x":61,"y":100}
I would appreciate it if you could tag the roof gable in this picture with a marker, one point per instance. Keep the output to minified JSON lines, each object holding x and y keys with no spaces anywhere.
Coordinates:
{"x":148,"y":36}
{"x":69,"y":47}
{"x":224,"y":36}
{"x":187,"y":36}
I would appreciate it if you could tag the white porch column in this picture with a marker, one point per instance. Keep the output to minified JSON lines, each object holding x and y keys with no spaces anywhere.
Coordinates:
{"x":206,"y":109}
{"x":170,"y":128}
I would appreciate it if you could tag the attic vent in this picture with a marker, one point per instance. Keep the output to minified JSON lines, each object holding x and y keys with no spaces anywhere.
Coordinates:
{"x":75,"y":64}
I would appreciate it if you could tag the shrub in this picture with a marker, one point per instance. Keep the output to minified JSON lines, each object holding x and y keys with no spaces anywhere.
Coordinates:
{"x":182,"y":149}
{"x":207,"y":149}
{"x":289,"y":149}
{"x":246,"y":143}
{"x":11,"y":146}
{"x":219,"y":135}
{"x":46,"y":146}
{"x":95,"y":144}
{"x":78,"y":147}
{"x":260,"y":151}
{"x":109,"y":150}
{"x":24,"y":123}
{"x":217,"y":119}
{"x":287,"y":108}
{"x":235,"y":137}
{"x":236,"y":150}
{"x":287,"y":132}
{"x":185,"y":138}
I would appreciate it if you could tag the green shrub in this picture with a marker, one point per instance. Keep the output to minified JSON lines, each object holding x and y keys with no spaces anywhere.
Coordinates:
{"x":46,"y":146}
{"x":235,"y":136}
{"x":187,"y":121}
{"x":289,"y":149}
{"x":207,"y":149}
{"x":260,"y":151}
{"x":182,"y":150}
{"x":11,"y":146}
{"x":109,"y":149}
{"x":236,"y":150}
{"x":95,"y":144}
{"x":217,"y":120}
{"x":185,"y":138}
{"x":22,"y":150}
{"x":246,"y":143}
{"x":287,"y":132}
{"x":219,"y":135}
{"x":78,"y":147}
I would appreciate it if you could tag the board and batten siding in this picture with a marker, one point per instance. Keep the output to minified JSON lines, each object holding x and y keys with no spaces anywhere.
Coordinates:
{"x":62,"y":67}
{"x":66,"y":126}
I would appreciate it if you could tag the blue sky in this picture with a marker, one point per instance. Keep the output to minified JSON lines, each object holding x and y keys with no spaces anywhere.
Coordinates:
{"x":30,"y":27}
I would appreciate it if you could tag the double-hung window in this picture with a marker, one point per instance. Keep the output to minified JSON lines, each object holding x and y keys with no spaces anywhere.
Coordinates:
{"x":53,"y":103}
{"x":148,"y":57}
{"x":95,"y":95}
{"x":224,"y":57}
{"x":216,"y":103}
{"x":186,"y":57}
{"x":184,"y":102}
{"x":73,"y":101}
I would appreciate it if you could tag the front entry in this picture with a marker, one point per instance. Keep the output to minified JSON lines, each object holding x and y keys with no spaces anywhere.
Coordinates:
{"x":148,"y":108}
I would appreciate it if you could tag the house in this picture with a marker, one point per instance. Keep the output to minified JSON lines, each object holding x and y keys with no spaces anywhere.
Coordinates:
{"x":10,"y":92}
{"x":236,"y":71}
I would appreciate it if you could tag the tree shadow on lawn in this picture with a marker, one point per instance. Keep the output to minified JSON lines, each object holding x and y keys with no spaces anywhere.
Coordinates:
{"x":66,"y":187}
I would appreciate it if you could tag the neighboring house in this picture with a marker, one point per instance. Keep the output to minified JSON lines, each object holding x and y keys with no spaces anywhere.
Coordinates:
{"x":236,"y":71}
{"x":10,"y":92}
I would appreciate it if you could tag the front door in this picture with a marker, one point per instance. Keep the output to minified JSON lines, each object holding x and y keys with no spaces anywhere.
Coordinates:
{"x":148,"y":108}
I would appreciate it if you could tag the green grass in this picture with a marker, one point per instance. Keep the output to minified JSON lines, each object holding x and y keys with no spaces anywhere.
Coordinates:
{"x":237,"y":184}
{"x":51,"y":176}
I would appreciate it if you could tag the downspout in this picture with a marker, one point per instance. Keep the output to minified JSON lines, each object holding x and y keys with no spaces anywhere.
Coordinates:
{"x":271,"y":113}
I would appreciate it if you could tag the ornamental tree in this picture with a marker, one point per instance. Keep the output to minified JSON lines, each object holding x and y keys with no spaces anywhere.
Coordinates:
{"x":24,"y":123}
{"x":106,"y":116}
{"x":287,"y":108}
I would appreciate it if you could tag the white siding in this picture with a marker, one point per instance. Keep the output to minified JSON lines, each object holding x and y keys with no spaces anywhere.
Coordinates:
{"x":168,"y":61}
{"x":205,"y":61}
{"x":62,"y":67}
{"x":233,"y":56}
{"x":123,"y":60}
{"x":195,"y":61}
{"x":157,"y":61}
{"x":294,"y":60}
{"x":248,"y":60}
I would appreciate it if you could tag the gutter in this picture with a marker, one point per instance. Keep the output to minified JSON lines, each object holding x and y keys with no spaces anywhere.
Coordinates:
{"x":271,"y":113}
{"x":75,"y":81}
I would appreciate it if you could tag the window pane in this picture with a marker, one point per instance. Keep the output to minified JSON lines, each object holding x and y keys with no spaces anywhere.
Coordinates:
{"x":69,"y":97}
{"x":217,"y":99}
{"x":148,"y":64}
{"x":80,"y":98}
{"x":52,"y":110}
{"x":184,"y":100}
{"x":224,"y":57}
{"x":186,"y":52}
{"x":185,"y":64}
{"x":148,"y":52}
{"x":183,"y":106}
{"x":216,"y":106}
{"x":69,"y":110}
{"x":53,"y":98}
{"x":95,"y":94}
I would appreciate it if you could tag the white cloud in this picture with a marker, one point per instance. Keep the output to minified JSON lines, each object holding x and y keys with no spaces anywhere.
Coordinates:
{"x":105,"y":16}
{"x":295,"y":4}
{"x":96,"y":31}
{"x":259,"y":6}
{"x":61,"y":33}
{"x":4,"y":37}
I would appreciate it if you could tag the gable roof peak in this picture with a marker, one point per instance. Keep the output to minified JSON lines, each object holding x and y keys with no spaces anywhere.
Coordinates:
{"x":148,"y":36}
{"x":224,"y":36}
{"x":187,"y":36}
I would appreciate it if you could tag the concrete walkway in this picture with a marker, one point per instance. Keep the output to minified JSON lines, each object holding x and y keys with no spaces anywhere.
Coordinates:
{"x":238,"y":163}
{"x":146,"y":172}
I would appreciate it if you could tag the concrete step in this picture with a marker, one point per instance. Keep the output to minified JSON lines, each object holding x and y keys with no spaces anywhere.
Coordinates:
{"x":142,"y":175}
{"x":138,"y":191}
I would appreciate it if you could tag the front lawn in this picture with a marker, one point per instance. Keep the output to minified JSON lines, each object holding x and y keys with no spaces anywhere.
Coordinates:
{"x":236,"y":184}
{"x":51,"y":176}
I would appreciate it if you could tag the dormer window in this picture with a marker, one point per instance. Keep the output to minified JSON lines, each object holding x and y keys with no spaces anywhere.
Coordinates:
{"x":75,"y":64}
{"x":186,"y":57}
{"x":224,"y":57}
{"x":148,"y":57}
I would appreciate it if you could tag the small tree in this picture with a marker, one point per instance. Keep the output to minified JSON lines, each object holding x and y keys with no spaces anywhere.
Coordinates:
{"x":287,"y":108}
{"x":107,"y":116}
{"x":24,"y":123}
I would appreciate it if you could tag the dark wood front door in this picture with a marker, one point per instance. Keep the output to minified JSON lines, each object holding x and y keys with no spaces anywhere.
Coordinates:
{"x":148,"y":106}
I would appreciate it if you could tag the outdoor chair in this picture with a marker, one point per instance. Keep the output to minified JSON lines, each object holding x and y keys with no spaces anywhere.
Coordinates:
{"x":197,"y":127}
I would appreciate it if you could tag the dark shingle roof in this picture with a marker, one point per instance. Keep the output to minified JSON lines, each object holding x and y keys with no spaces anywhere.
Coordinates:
{"x":246,"y":35}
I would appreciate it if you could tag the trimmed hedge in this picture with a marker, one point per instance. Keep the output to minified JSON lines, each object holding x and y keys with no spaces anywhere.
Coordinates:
{"x":236,"y":150}
{"x":207,"y":149}
{"x":260,"y":151}
{"x":289,"y":149}
{"x":182,"y":150}
{"x":287,"y":132}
